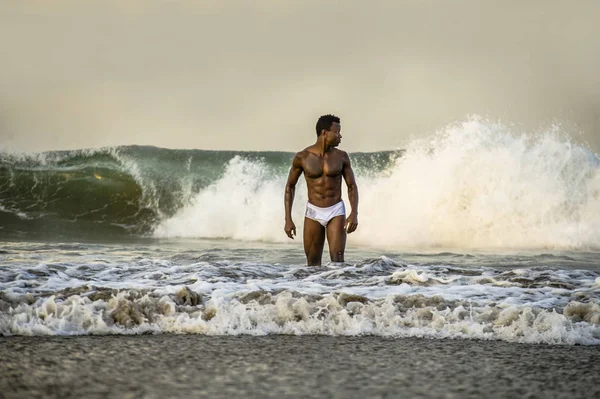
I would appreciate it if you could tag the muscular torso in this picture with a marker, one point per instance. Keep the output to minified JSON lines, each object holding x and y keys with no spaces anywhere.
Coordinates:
{"x":323,"y":176}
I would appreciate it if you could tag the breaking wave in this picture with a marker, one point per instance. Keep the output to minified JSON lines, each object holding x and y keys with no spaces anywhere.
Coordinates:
{"x":472,"y":185}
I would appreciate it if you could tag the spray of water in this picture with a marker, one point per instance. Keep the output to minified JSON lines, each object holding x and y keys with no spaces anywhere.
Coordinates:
{"x":479,"y":185}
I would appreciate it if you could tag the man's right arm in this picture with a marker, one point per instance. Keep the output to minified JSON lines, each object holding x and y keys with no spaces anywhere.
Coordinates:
{"x":290,"y":191}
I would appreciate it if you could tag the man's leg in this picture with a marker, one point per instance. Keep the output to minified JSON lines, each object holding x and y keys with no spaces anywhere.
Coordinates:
{"x":336,"y":237}
{"x":314,"y":240}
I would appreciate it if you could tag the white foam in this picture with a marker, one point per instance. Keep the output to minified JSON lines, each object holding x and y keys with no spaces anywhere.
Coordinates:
{"x":76,"y":294}
{"x":286,"y":313}
{"x":477,"y":185}
{"x":246,"y":204}
{"x":473,"y":185}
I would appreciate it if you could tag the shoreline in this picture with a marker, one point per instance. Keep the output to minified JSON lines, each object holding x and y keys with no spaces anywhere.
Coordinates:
{"x":275,"y":366}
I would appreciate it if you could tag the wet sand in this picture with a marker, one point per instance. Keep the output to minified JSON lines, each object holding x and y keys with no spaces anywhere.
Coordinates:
{"x":160,"y":366}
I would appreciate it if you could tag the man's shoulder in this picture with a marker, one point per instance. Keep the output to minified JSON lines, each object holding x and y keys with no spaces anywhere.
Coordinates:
{"x":305,"y":152}
{"x":300,"y":156}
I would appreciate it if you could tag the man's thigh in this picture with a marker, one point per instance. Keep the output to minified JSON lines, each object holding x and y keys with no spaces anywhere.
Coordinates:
{"x":314,"y":239}
{"x":336,"y":237}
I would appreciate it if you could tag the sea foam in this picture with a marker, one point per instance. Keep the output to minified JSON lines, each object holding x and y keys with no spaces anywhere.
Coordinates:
{"x":381,"y":296}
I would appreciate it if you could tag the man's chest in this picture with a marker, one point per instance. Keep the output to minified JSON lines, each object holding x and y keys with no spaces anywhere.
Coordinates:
{"x":315,"y":166}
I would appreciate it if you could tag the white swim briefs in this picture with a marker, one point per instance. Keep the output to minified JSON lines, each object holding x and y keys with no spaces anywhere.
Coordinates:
{"x":324,"y":215}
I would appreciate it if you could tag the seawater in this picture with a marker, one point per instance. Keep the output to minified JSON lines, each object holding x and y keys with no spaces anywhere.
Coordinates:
{"x":477,"y":232}
{"x":231,"y":287}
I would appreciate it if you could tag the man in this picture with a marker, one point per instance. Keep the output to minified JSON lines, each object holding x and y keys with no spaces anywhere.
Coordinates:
{"x":323,"y":166}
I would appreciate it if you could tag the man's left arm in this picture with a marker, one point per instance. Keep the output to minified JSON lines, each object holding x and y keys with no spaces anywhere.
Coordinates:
{"x":352,"y":220}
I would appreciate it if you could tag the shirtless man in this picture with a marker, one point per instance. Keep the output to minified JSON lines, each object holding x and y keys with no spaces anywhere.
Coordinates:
{"x":323,"y":166}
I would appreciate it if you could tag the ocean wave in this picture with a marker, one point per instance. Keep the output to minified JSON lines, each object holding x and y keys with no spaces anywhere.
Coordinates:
{"x":125,"y":190}
{"x":475,"y":184}
{"x":102,"y":192}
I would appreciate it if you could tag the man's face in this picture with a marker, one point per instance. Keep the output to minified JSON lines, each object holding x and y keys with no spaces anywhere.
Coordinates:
{"x":333,"y":136}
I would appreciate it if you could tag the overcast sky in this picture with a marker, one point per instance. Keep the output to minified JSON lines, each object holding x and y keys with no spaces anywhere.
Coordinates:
{"x":255,"y":75}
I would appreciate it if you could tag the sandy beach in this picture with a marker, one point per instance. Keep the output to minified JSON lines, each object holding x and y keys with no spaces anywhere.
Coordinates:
{"x":159,"y":366}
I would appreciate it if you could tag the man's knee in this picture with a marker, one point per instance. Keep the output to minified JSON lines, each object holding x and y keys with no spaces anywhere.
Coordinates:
{"x":313,"y":260}
{"x":337,"y":256}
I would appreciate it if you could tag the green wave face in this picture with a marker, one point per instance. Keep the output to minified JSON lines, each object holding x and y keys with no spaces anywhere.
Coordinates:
{"x":118,"y":191}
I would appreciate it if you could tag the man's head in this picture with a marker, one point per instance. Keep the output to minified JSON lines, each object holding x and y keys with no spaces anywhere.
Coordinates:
{"x":329,"y":126}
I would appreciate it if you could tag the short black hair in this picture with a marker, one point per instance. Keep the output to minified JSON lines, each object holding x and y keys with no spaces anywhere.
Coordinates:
{"x":325,"y":122}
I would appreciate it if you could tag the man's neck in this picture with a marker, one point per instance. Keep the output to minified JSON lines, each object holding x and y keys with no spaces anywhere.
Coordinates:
{"x":322,"y":146}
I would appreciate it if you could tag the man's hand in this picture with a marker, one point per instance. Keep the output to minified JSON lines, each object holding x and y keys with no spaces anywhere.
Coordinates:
{"x":290,"y":229}
{"x":351,"y":223}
